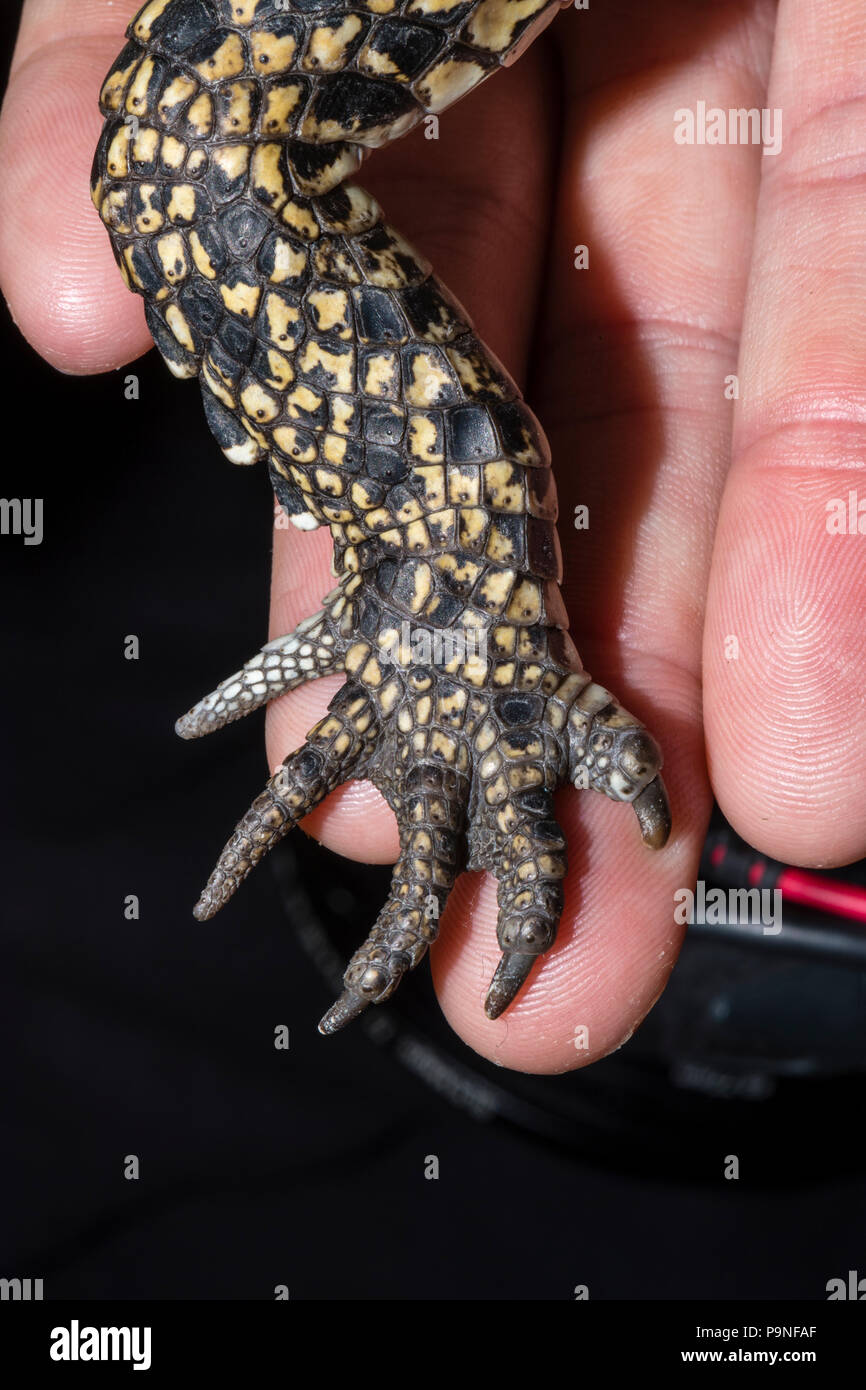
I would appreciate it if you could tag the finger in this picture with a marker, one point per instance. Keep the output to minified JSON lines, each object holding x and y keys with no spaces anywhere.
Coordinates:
{"x":631,"y":392}
{"x":481,"y":217}
{"x":784,"y":666}
{"x":56,"y":268}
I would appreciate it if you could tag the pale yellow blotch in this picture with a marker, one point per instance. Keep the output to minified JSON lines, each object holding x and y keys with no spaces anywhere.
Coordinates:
{"x":342,"y":414}
{"x":503,"y":673}
{"x":303,"y":400}
{"x":447,"y":82}
{"x":362,"y":214}
{"x":172,"y":257}
{"x":496,"y":791}
{"x":422,"y":587}
{"x":173,"y":153}
{"x":443,"y":526}
{"x":266,"y":178}
{"x":115,"y":85}
{"x":383,"y":377}
{"x":181,"y":204}
{"x":115,"y":211}
{"x":462,"y":571}
{"x":444,"y":745}
{"x":493,"y":22}
{"x":236,"y":115}
{"x":475,"y":670}
{"x":179,"y":327}
{"x":289,"y":263}
{"x":432,"y":479}
{"x":328,"y":49}
{"x":330,"y":308}
{"x":244,"y":11}
{"x":301,"y":219}
{"x":328,"y":482}
{"x":472,"y":526}
{"x":389,"y":695}
{"x":424,"y":440}
{"x":197,"y":162}
{"x":429,"y":378}
{"x":494,"y":589}
{"x":233,"y":160}
{"x":143,"y":27}
{"x":214,"y":383}
{"x":489,"y":766}
{"x":504,"y":639}
{"x":281,"y":319}
{"x":201,"y":258}
{"x":360,"y":496}
{"x":271,"y":53}
{"x":136,"y":97}
{"x":281,"y":371}
{"x":464,"y":485}
{"x":499,"y":547}
{"x":417,"y":536}
{"x":179,"y":90}
{"x":334,"y":449}
{"x":477,"y":373}
{"x":227,"y":61}
{"x":344,"y":163}
{"x":287,"y":439}
{"x":241,"y":299}
{"x":525,"y":775}
{"x":339,"y":366}
{"x":280,"y":104}
{"x":200,"y":117}
{"x":525,"y":606}
{"x":378,"y":64}
{"x":259,"y":404}
{"x":372,"y":673}
{"x":117,"y":161}
{"x":146,"y":145}
{"x":387,"y":267}
{"x":150,"y":219}
{"x":501,"y":490}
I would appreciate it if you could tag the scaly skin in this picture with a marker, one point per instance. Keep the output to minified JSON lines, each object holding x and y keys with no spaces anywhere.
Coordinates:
{"x":324,"y":344}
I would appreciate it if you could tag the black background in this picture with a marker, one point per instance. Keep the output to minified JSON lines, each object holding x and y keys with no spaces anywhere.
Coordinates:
{"x":155,"y":1037}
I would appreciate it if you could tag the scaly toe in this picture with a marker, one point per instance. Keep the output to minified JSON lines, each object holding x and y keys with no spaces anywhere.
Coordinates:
{"x":511,"y":972}
{"x":348,"y":1007}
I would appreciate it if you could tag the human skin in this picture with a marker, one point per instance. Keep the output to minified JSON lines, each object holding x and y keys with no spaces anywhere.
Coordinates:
{"x":707,"y":515}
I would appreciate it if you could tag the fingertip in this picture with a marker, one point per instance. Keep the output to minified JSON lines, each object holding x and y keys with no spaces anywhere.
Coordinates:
{"x":59,"y":279}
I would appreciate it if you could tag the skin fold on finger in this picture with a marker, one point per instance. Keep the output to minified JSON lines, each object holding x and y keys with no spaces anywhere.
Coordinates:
{"x":472,"y":200}
{"x":783,"y":657}
{"x":629,"y":381}
{"x":57,"y":272}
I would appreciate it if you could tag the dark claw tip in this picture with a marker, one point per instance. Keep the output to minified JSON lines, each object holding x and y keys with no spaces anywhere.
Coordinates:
{"x":348,"y":1007}
{"x":654,"y":814}
{"x":510,"y":974}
